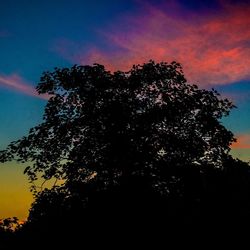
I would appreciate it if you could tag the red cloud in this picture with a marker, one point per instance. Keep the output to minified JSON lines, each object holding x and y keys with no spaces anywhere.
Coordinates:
{"x":15,"y":82}
{"x":243,"y":142}
{"x":213,"y":49}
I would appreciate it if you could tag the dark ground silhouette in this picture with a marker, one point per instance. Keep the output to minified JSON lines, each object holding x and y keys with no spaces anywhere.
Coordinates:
{"x":142,"y":154}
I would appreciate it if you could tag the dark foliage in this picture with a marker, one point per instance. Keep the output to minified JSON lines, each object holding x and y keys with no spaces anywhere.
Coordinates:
{"x":139,"y":149}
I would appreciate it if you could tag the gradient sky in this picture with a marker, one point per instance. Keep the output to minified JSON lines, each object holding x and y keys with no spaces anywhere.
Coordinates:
{"x":211,"y":39}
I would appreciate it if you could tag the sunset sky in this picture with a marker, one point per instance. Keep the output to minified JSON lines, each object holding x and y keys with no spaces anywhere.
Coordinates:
{"x":211,"y":39}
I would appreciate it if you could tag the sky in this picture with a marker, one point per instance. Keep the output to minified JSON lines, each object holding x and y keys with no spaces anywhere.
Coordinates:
{"x":210,"y":38}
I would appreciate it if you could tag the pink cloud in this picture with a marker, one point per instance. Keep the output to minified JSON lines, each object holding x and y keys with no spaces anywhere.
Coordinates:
{"x":243,"y":142}
{"x":213,"y":48}
{"x":16,"y":83}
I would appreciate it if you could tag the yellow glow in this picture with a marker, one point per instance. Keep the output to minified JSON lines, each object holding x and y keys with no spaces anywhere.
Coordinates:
{"x":15,"y":197}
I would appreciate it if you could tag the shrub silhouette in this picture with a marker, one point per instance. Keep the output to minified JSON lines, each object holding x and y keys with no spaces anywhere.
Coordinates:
{"x":139,"y":147}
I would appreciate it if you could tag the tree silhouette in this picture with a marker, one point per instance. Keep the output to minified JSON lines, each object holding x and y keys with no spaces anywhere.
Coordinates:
{"x":101,"y":125}
{"x":123,"y":138}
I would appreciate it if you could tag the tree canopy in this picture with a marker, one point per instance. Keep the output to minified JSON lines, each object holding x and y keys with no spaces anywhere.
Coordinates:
{"x":137,"y":153}
{"x":100,"y":125}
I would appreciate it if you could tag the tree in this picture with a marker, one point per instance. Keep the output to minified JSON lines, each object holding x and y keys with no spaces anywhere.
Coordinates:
{"x":105,"y":126}
{"x":10,"y":224}
{"x":130,"y":149}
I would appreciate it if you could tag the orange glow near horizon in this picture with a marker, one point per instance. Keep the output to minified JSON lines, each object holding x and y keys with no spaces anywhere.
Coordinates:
{"x":16,"y":197}
{"x":243,"y":142}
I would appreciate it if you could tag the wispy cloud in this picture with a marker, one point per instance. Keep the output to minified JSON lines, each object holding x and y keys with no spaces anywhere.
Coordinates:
{"x":214,"y":48}
{"x":15,"y":82}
